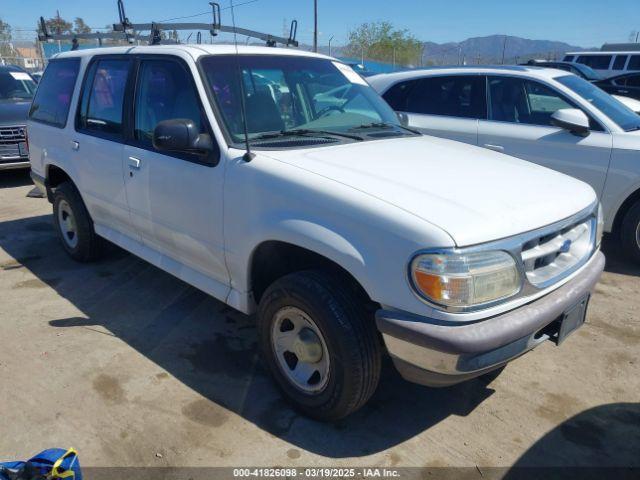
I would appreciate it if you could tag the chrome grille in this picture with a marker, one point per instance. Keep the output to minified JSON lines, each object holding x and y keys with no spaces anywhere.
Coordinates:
{"x":549,"y":257}
{"x":10,"y":140}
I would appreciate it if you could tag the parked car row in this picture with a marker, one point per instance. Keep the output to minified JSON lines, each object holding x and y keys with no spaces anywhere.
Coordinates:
{"x":606,"y":63}
{"x":281,"y":183}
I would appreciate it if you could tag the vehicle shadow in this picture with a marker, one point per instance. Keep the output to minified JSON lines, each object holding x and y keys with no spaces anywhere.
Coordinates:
{"x":15,"y":178}
{"x":602,"y":442}
{"x":212,"y":349}
{"x":617,"y":262}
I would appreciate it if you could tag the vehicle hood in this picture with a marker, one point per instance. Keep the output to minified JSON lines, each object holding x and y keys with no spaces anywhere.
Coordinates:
{"x":12,"y":112}
{"x":474,"y":194}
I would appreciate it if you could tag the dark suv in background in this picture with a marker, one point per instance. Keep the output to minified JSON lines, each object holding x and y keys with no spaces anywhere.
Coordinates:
{"x":16,"y":92}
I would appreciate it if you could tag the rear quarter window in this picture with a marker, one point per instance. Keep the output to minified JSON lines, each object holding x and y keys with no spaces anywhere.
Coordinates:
{"x":53,"y":97}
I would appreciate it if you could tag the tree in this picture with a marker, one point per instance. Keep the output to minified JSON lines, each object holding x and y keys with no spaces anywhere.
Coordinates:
{"x":80,"y":27}
{"x":58,"y":25}
{"x":5,"y":39}
{"x":381,"y":41}
{"x":5,"y":31}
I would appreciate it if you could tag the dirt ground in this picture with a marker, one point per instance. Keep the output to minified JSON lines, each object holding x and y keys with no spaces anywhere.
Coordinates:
{"x":133,"y":367}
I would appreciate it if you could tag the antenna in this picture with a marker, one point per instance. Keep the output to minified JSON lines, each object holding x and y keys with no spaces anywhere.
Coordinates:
{"x":248,"y":156}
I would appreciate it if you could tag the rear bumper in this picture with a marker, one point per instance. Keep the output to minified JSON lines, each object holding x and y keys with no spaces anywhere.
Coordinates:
{"x":437,"y":354}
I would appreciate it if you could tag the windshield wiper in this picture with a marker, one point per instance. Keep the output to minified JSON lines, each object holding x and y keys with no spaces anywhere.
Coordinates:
{"x":383,"y":125}
{"x":306,"y":132}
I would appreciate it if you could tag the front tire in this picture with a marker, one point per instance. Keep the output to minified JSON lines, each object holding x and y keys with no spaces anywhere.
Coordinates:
{"x":74,"y":225}
{"x":320,"y":345}
{"x":630,"y":233}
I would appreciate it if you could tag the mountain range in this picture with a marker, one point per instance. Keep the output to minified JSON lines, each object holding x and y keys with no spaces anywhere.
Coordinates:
{"x":487,"y":50}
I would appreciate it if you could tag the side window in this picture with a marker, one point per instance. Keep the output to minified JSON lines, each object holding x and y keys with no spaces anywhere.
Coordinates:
{"x":597,"y":62}
{"x":102,"y":98}
{"x":568,"y":58}
{"x":454,"y":96}
{"x":397,"y":95}
{"x":165,"y":91}
{"x":517,"y":100}
{"x":634,"y":63}
{"x":53,"y":97}
{"x":633,"y":81}
{"x":618,"y":63}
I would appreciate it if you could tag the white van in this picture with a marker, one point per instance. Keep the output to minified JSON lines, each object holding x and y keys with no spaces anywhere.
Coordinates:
{"x":608,"y":64}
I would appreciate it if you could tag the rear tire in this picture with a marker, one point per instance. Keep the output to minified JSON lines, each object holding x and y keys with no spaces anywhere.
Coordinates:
{"x":309,"y":321}
{"x":74,"y":225}
{"x":630,"y":233}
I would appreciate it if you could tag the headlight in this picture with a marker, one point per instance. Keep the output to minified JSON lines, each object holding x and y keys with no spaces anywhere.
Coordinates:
{"x":464,"y":280}
{"x":600,"y":225}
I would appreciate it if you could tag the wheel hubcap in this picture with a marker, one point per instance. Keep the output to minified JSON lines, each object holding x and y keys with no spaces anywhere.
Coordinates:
{"x":300,"y":349}
{"x":67,"y":223}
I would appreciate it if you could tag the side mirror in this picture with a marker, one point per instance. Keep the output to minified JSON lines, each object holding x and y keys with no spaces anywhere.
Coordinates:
{"x":404,"y":119}
{"x":571,"y":119}
{"x":181,"y":135}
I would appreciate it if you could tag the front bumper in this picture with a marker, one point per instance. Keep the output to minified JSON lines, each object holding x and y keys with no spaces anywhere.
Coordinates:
{"x":437,"y":354}
{"x":14,"y":164}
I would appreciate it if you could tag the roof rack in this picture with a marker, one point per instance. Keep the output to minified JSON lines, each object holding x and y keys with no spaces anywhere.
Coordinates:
{"x":129,"y":32}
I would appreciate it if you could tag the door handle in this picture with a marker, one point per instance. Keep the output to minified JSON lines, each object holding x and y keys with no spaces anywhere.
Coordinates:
{"x":496,"y":148}
{"x":623,"y":91}
{"x":134,"y":162}
{"x":75,"y":146}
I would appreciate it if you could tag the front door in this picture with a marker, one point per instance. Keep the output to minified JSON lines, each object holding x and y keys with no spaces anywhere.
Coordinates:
{"x":520,"y":125}
{"x":175,"y":199}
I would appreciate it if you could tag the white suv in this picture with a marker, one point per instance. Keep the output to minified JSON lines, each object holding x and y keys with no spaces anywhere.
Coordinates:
{"x":342,"y":229}
{"x":542,"y":115}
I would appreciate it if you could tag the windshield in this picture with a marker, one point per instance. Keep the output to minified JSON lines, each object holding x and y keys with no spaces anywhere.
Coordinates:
{"x":16,"y":85}
{"x":290,"y":95}
{"x":623,"y":116}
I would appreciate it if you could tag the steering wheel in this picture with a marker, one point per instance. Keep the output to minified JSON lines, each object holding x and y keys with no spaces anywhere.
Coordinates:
{"x":330,"y":108}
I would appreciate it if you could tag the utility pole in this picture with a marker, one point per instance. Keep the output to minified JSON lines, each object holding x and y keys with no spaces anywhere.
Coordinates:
{"x":315,"y":25}
{"x":330,"y":51}
{"x":504,"y":48}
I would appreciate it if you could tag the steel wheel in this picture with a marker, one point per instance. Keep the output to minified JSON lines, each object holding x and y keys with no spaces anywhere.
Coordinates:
{"x":67,"y":222}
{"x":300,"y":350}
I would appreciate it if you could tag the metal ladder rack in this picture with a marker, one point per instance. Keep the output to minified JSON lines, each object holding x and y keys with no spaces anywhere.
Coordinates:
{"x":129,"y":32}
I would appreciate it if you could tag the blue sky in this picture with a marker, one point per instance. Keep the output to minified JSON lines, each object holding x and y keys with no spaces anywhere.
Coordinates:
{"x":578,"y":22}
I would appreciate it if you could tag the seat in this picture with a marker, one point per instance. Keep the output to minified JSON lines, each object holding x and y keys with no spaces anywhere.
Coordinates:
{"x":263,"y":114}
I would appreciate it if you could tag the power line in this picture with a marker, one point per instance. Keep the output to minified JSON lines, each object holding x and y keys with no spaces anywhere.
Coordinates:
{"x":208,"y":12}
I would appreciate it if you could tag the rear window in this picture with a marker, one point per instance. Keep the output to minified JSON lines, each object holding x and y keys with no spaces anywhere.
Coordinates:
{"x":53,"y":97}
{"x":597,"y":62}
{"x":619,"y":62}
{"x":454,"y":96}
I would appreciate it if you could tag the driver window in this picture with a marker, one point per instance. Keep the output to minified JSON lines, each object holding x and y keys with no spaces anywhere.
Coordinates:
{"x":165,"y":92}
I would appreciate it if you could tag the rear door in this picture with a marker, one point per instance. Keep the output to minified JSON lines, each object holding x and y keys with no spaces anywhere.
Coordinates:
{"x":97,"y":144}
{"x":444,"y":106}
{"x":519,"y":124}
{"x":175,"y":199}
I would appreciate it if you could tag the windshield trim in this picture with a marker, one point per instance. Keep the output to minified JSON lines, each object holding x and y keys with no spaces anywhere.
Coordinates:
{"x":240,"y":144}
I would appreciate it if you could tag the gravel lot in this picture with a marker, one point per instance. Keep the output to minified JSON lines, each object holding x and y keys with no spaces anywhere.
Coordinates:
{"x":133,"y":367}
